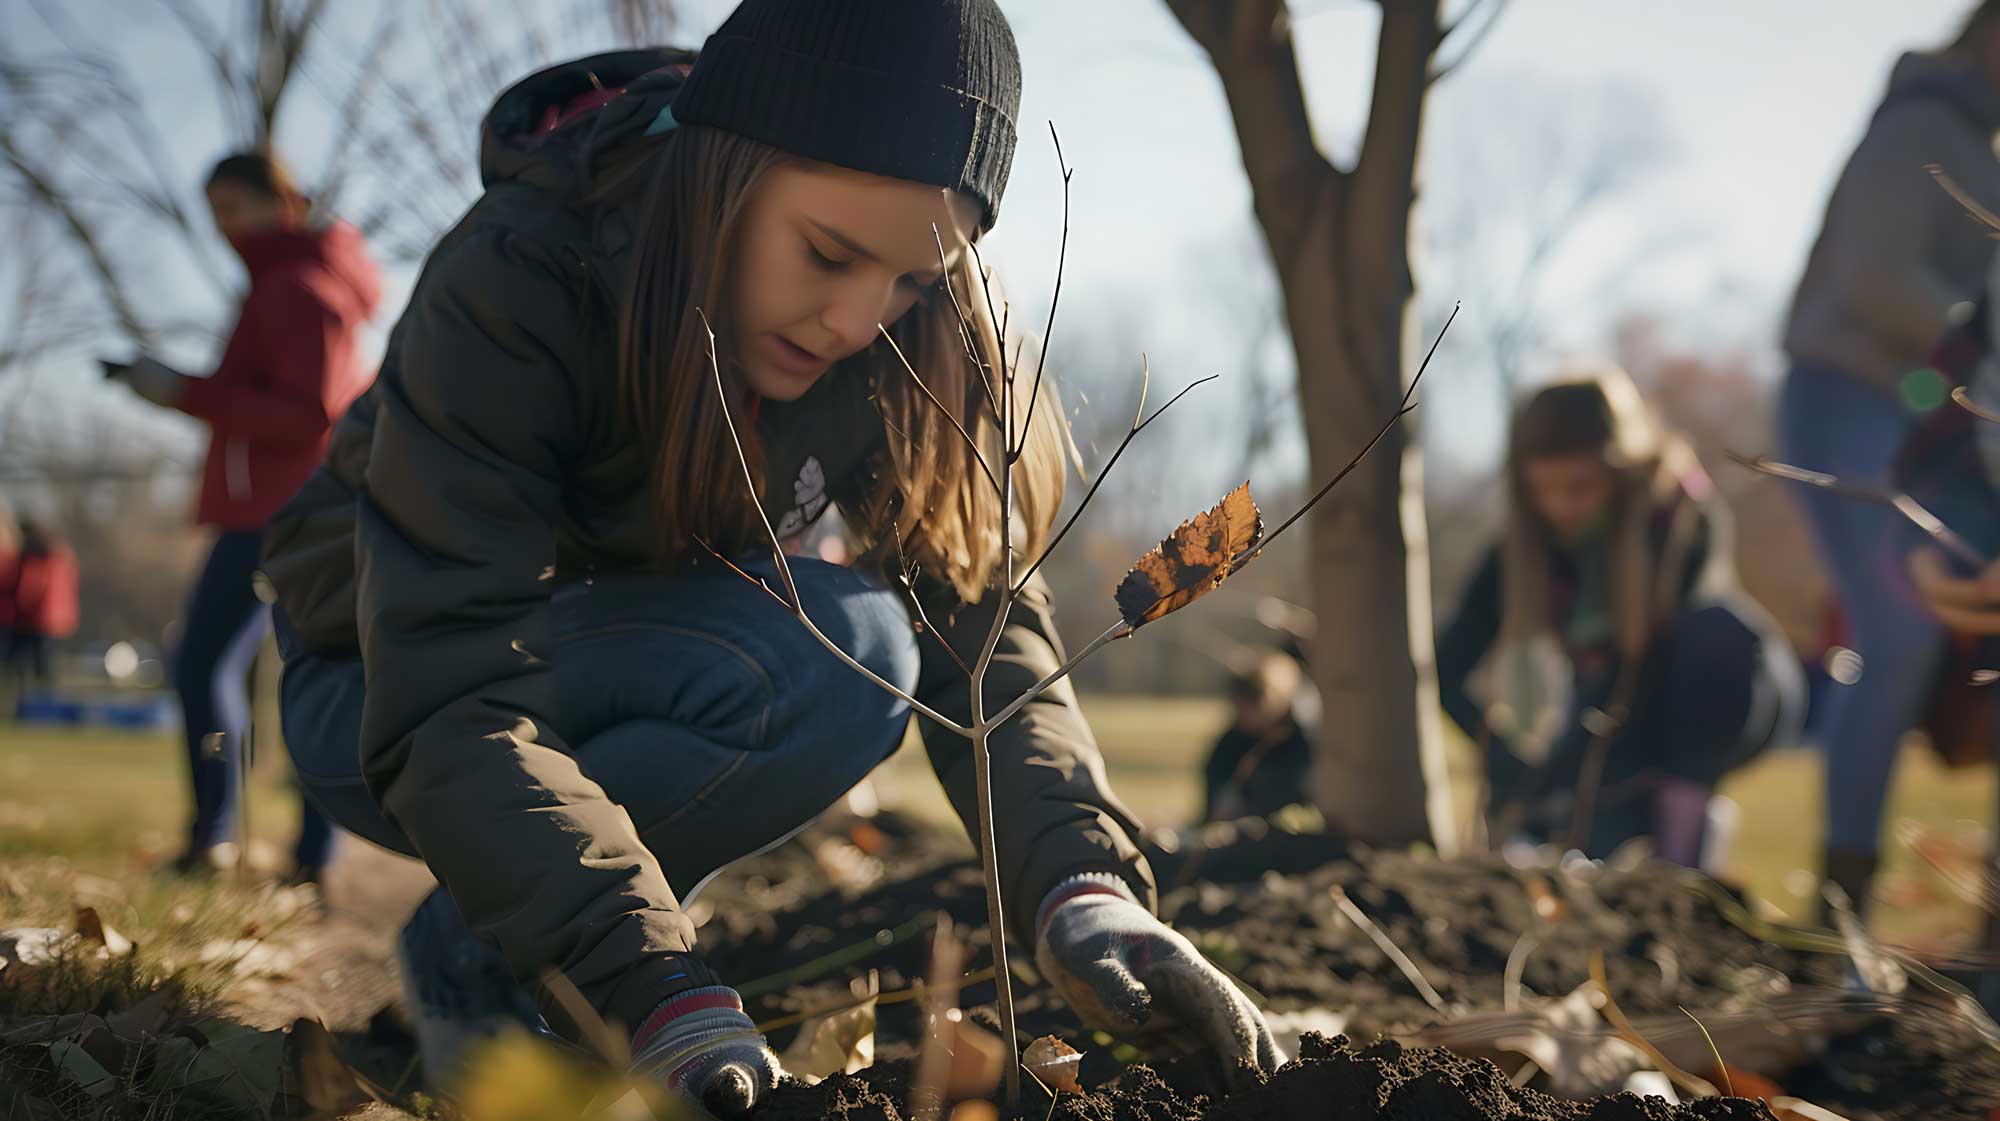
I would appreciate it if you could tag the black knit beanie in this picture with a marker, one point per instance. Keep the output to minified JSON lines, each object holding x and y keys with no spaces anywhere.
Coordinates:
{"x":924,"y":90}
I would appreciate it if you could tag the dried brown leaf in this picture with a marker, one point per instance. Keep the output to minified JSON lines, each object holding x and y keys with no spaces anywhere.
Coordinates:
{"x":325,"y":1083}
{"x":840,"y":1042}
{"x":1055,"y":1063}
{"x":1193,"y":560}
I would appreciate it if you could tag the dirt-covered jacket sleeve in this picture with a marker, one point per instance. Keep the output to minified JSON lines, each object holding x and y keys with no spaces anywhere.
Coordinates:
{"x":1054,"y":813}
{"x":455,"y":546}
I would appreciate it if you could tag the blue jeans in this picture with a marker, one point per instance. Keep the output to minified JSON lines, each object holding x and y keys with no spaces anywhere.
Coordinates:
{"x":697,"y":702}
{"x":225,"y":624}
{"x":1833,"y":423}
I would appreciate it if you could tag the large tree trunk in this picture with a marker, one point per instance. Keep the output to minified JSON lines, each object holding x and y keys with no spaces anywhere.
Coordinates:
{"x":1340,"y":242}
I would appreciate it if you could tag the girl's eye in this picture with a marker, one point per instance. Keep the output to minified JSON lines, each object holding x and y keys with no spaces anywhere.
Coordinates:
{"x":823,"y":261}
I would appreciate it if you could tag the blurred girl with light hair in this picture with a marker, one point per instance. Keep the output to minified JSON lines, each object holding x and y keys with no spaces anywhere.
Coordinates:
{"x":1624,"y":671}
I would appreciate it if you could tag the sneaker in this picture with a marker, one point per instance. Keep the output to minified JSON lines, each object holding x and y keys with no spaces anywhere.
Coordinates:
{"x":458,"y":987}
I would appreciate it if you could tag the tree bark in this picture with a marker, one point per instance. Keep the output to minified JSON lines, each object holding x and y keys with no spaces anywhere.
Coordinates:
{"x":1340,"y":242}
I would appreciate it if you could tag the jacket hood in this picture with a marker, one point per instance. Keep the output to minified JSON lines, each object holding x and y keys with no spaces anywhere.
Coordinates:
{"x":1945,"y":78}
{"x":337,"y":247}
{"x":549,"y":128}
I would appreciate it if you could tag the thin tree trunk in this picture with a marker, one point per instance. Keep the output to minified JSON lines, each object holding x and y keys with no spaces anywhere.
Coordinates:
{"x":1340,"y":242}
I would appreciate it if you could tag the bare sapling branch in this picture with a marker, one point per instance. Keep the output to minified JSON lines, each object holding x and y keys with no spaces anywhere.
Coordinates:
{"x":964,"y":328}
{"x":796,"y":601}
{"x":1972,"y":205}
{"x":982,"y":755}
{"x":939,"y":406}
{"x":1902,"y":503}
{"x":1062,"y":257}
{"x":906,"y":573}
{"x":1403,"y":410}
{"x":1962,"y":397}
{"x":1138,"y":426}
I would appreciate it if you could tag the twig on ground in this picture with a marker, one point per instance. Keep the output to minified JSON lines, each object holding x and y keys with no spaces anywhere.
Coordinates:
{"x":1517,"y":963}
{"x":1693,"y":1084}
{"x":1395,"y":953}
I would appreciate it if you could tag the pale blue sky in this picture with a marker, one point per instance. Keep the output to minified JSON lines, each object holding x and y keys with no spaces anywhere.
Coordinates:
{"x":1759,"y":100}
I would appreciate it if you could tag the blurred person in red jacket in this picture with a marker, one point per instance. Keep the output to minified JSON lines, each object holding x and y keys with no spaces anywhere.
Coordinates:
{"x":38,"y":594}
{"x":292,"y":366}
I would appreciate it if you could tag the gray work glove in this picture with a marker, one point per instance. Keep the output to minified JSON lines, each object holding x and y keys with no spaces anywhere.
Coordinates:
{"x":1125,"y":972}
{"x":701,"y":1046}
{"x":155,"y":381}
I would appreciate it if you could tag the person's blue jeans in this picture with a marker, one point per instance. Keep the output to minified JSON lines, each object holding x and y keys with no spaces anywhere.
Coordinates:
{"x":223,"y":625}
{"x":1832,"y":423}
{"x":697,"y":702}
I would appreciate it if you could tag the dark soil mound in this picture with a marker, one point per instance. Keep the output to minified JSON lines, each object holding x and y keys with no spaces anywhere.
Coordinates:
{"x":1330,"y":1080}
{"x":1259,"y":902}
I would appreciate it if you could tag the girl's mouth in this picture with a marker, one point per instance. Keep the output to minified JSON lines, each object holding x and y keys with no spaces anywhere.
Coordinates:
{"x":797,"y":360}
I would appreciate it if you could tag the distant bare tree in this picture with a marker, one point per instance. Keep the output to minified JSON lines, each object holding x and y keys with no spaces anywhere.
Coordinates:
{"x":388,"y":95}
{"x":1524,"y":192}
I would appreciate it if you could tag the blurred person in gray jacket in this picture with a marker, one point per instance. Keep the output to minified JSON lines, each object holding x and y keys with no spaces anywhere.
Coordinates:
{"x":1897,"y":262}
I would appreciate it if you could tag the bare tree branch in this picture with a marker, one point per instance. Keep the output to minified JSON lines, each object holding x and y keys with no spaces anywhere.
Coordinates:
{"x":1250,"y":44}
{"x":1493,"y":10}
{"x":86,"y":238}
{"x":1138,"y":426}
{"x":228,"y":77}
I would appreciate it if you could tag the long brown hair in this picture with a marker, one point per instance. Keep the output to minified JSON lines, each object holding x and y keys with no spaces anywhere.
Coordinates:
{"x":1597,"y":411}
{"x":932,"y":500}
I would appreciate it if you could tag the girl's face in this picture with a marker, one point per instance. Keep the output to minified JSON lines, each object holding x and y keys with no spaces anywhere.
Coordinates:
{"x":823,"y":256}
{"x":1569,"y":493}
{"x":242,"y":210}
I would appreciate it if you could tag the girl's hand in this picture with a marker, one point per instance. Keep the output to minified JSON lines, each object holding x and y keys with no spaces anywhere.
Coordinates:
{"x":701,"y":1046}
{"x":1968,"y":605}
{"x":1125,"y":972}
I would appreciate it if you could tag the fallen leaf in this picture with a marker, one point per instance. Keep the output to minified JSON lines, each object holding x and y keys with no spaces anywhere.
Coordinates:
{"x":79,"y":1067}
{"x":325,"y":1083}
{"x":96,"y":932}
{"x":233,"y":1065}
{"x":1193,"y":561}
{"x":1055,"y":1063}
{"x":147,"y":1016}
{"x":840,"y":1042}
{"x":48,"y":1029}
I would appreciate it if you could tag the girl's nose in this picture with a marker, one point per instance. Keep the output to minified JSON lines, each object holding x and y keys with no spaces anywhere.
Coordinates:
{"x":853,"y":316}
